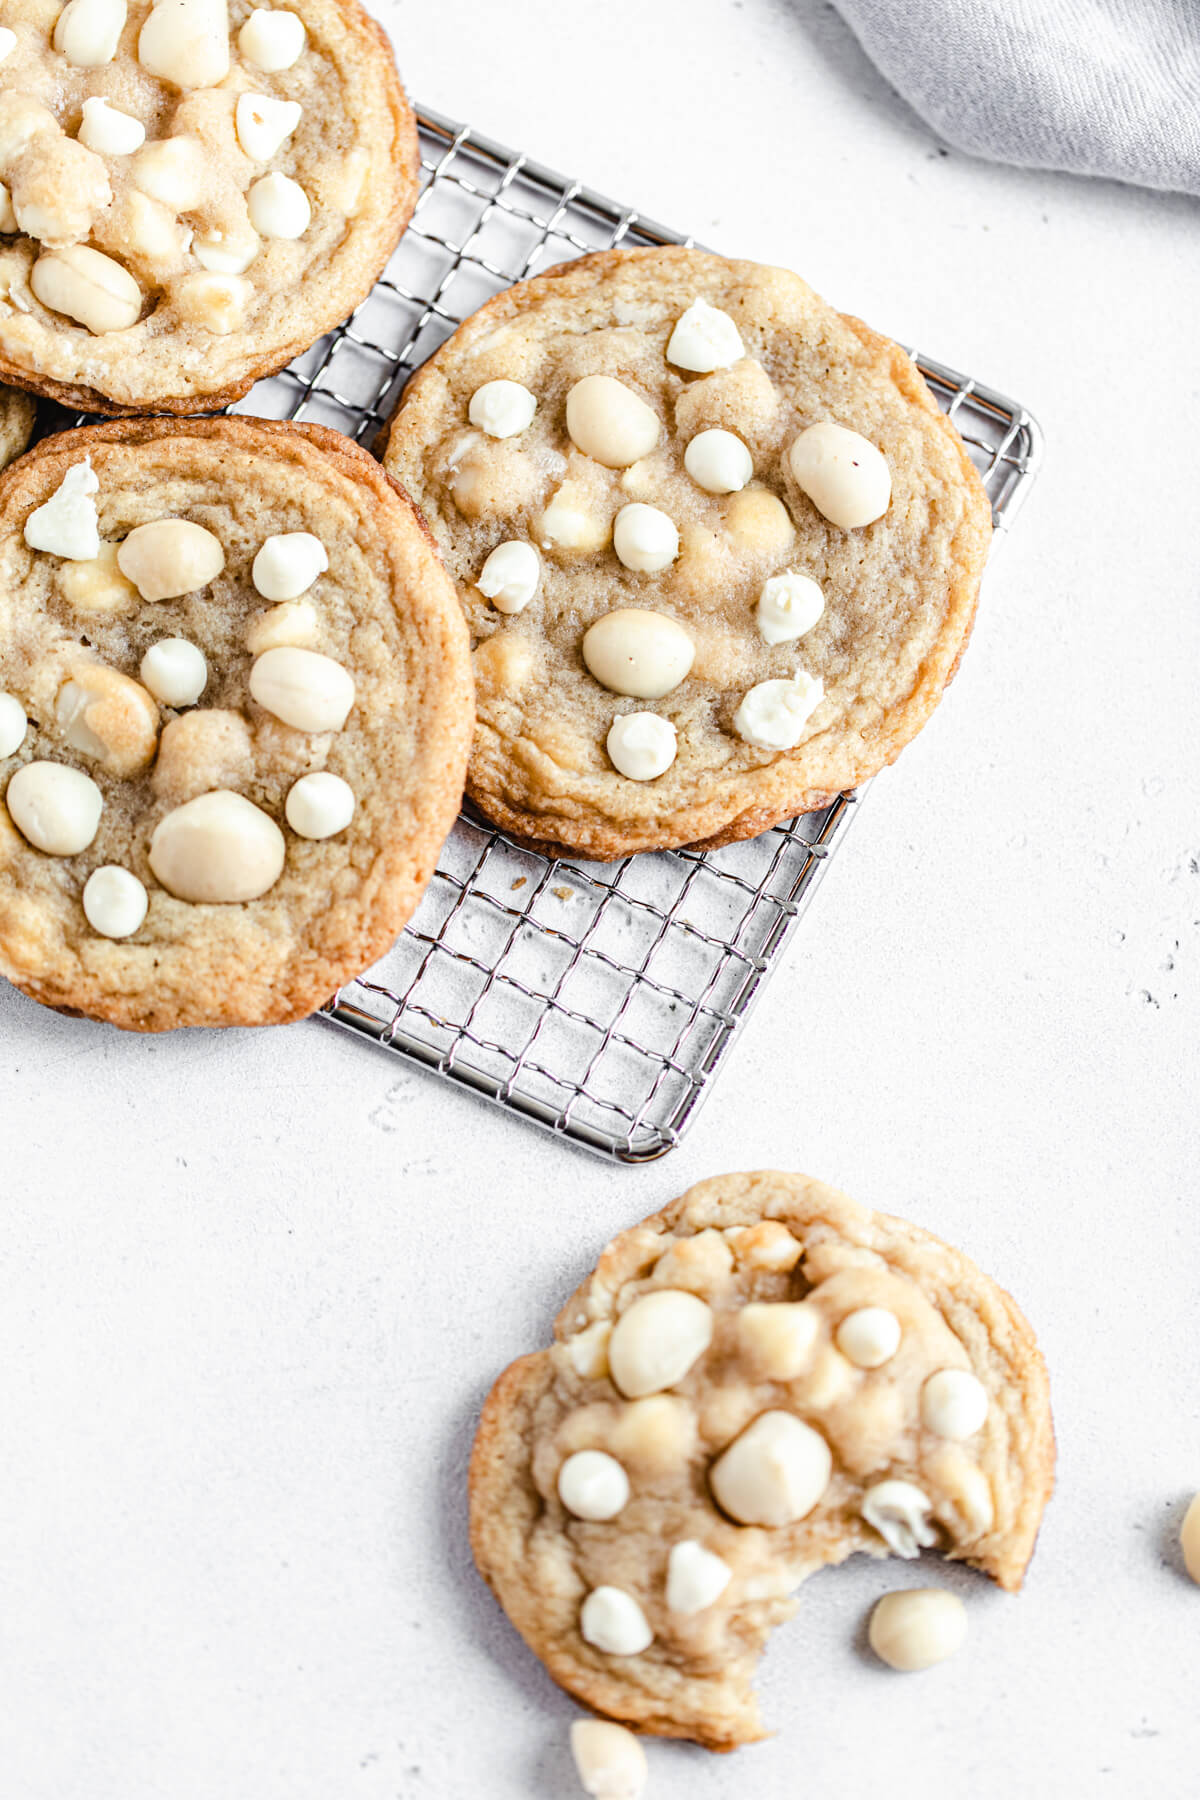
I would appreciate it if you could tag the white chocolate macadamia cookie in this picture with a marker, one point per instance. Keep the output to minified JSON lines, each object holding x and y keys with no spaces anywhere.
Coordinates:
{"x":703,"y":444}
{"x":191,"y":192}
{"x":735,"y":1399}
{"x":214,"y":810}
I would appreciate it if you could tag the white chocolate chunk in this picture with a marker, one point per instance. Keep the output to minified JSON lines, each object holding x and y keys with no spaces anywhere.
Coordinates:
{"x":1189,"y":1538}
{"x":704,"y":339}
{"x":114,"y":901}
{"x":954,"y":1403}
{"x":319,"y":805}
{"x":172,"y":170}
{"x":593,"y":1485}
{"x":609,"y":422}
{"x":67,"y":523}
{"x":169,"y":558}
{"x":917,"y":1627}
{"x":87,"y":32}
{"x":772,"y":715}
{"x":510,"y":576}
{"x":612,"y":1621}
{"x":696,"y":1578}
{"x":900,"y":1513}
{"x":8,"y":42}
{"x":774,"y":1473}
{"x":789,"y":605}
{"x":294,"y":623}
{"x":779,"y":1336}
{"x":218,"y":848}
{"x":609,"y":1760}
{"x":279,"y":207}
{"x":13,"y":725}
{"x":641,"y":746}
{"x":264,"y":123}
{"x":645,"y":539}
{"x":846,"y":477}
{"x":55,"y":808}
{"x":102,"y":714}
{"x":287,"y":564}
{"x":502,"y":408}
{"x":637,"y":652}
{"x":719,"y":462}
{"x":272,"y":41}
{"x":657,"y":1340}
{"x":303,"y":688}
{"x":186,"y":42}
{"x":109,"y":131}
{"x":226,"y":252}
{"x":869,"y":1337}
{"x":175,"y":671}
{"x":87,"y":286}
{"x":216,"y":303}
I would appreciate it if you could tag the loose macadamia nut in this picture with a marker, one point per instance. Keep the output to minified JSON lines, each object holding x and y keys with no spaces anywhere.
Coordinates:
{"x":303,"y":688}
{"x":774,"y":1472}
{"x":169,"y":558}
{"x":55,"y":808}
{"x":611,"y":1620}
{"x":593,"y":1485}
{"x":637,"y":652}
{"x":115,"y":902}
{"x":319,"y":805}
{"x":13,"y":725}
{"x":218,"y":848}
{"x":655,"y":1343}
{"x":609,"y":1760}
{"x":641,"y":746}
{"x":846,"y":478}
{"x":609,"y":422}
{"x":772,"y":716}
{"x":502,"y":408}
{"x":917,"y":1627}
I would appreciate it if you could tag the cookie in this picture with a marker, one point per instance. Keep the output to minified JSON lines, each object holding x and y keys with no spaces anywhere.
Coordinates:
{"x":235,"y":708}
{"x":718,"y":549}
{"x":760,"y":1380}
{"x":16,"y":423}
{"x":190,"y":193}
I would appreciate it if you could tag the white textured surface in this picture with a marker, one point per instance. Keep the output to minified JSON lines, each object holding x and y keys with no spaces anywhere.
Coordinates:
{"x":253,"y":1287}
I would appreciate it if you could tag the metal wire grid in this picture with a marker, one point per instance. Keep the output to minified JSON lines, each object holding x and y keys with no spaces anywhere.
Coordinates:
{"x":597,"y":1000}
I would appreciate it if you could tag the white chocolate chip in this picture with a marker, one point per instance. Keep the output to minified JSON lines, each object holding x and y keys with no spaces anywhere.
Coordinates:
{"x":319,"y":805}
{"x":657,"y":1340}
{"x":13,"y":725}
{"x":102,"y":714}
{"x":510,"y":576}
{"x":900,"y":1513}
{"x":774,"y":1473}
{"x":718,"y":462}
{"x":1189,"y":1538}
{"x":272,"y":41}
{"x":216,"y":303}
{"x":97,"y":585}
{"x":789,"y":605}
{"x":8,"y":42}
{"x":696,"y":1578}
{"x":303,"y":688}
{"x":593,"y":1485}
{"x":264,"y":123}
{"x":609,"y":422}
{"x":226,"y":252}
{"x":704,"y":339}
{"x":67,"y":523}
{"x":588,"y":1350}
{"x":88,"y":287}
{"x":779,"y":1336}
{"x":186,"y":42}
{"x":637,"y":652}
{"x":55,"y":808}
{"x":644,"y":538}
{"x":218,"y":848}
{"x":612,"y":1621}
{"x":869,"y":1337}
{"x":279,"y":207}
{"x":641,"y":746}
{"x":169,"y":558}
{"x":846,"y":477}
{"x":502,"y":408}
{"x":954,"y":1403}
{"x":772,"y":716}
{"x":287,"y":564}
{"x":917,"y":1627}
{"x":175,"y":671}
{"x":609,"y":1761}
{"x":87,"y":32}
{"x":114,"y":901}
{"x":172,"y":170}
{"x":293,"y":623}
{"x":109,"y":131}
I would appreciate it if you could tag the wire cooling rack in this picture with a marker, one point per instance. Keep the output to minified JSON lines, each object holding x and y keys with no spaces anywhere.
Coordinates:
{"x":597,"y":1000}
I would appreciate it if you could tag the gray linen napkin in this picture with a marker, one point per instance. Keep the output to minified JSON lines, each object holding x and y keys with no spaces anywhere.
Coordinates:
{"x":1100,"y":87}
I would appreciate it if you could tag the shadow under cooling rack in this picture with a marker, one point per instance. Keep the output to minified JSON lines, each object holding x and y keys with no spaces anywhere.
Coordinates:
{"x":597,"y":1000}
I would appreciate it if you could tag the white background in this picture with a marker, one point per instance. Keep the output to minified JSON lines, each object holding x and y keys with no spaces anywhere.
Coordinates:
{"x":253,"y":1287}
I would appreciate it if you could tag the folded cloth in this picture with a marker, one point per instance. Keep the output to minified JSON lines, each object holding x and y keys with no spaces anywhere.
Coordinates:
{"x":1099,"y":87}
